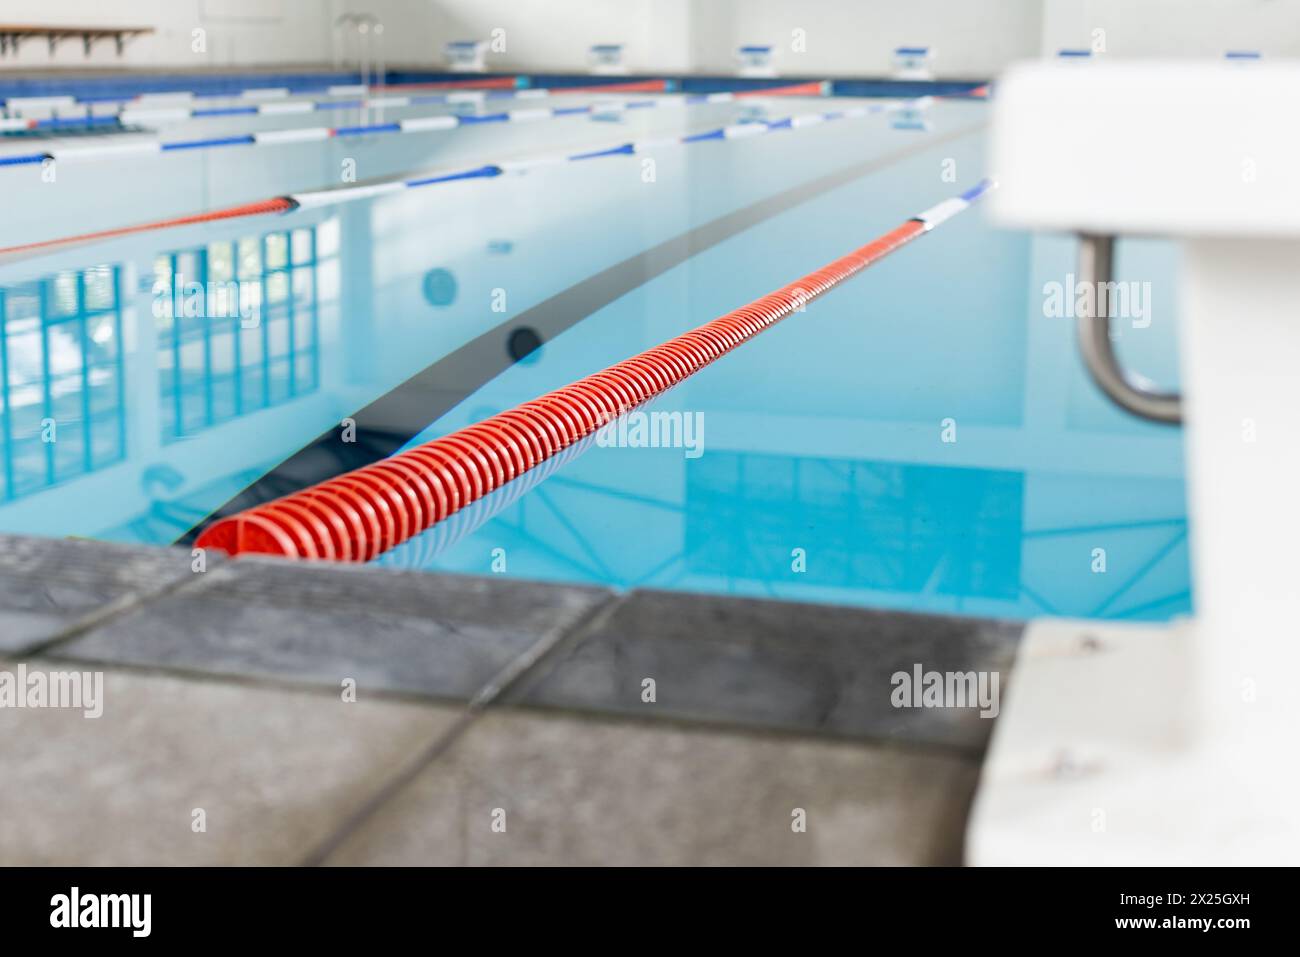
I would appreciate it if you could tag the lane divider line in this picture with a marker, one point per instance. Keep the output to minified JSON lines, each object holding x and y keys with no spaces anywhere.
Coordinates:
{"x":360,"y":191}
{"x":413,"y":125}
{"x":262,"y":207}
{"x":178,"y":104}
{"x":363,"y":513}
{"x":338,"y":194}
{"x":175,"y":110}
{"x":22,"y":159}
{"x":160,"y":114}
{"x":417,"y":552}
{"x":256,"y":94}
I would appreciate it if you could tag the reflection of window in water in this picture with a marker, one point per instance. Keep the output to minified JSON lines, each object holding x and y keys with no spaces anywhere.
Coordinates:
{"x":238,"y":328}
{"x":892,"y":526}
{"x":61,"y":378}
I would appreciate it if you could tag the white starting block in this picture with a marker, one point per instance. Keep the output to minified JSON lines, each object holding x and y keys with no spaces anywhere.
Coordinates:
{"x":606,"y":59}
{"x":466,"y":56}
{"x":755,"y":60}
{"x":913,"y":63}
{"x":1180,"y":740}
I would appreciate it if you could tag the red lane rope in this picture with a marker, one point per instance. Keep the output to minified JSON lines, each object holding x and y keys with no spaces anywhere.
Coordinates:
{"x":509,"y":83}
{"x":632,"y":86}
{"x":358,"y":515}
{"x":815,"y":88}
{"x":277,"y":205}
{"x":487,"y":83}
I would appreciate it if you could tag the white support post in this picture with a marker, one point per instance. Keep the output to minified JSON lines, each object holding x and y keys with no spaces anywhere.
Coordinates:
{"x":1172,"y":745}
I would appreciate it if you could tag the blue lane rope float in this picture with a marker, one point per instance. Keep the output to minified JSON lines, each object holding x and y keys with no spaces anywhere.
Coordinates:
{"x":23,"y":159}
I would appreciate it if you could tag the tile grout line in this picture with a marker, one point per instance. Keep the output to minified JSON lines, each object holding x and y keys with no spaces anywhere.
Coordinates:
{"x":261,"y":682}
{"x":515,"y":671}
{"x":773,"y":733}
{"x":130,"y":602}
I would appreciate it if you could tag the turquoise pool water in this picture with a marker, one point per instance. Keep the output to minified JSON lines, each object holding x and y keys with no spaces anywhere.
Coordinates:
{"x":923,"y":437}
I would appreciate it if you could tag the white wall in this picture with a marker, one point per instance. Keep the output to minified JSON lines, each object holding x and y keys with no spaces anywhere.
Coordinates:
{"x":1174,"y":28}
{"x":540,"y":34}
{"x":238,"y":32}
{"x":841,"y":37}
{"x":973,"y":38}
{"x":671,"y":36}
{"x":549,"y":34}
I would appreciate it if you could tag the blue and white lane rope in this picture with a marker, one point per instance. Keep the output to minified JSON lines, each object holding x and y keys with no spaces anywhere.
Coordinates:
{"x":627,"y":148}
{"x":161,"y":108}
{"x":423,"y":124}
{"x":174,"y":98}
{"x":342,"y":194}
{"x":941,"y":212}
{"x":453,"y":97}
{"x":274,"y":100}
{"x":164,"y":114}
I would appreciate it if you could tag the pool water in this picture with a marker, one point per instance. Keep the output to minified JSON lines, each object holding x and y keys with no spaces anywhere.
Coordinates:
{"x":923,"y":437}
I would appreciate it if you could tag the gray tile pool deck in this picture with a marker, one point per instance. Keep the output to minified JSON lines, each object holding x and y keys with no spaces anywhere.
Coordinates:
{"x":268,"y":712}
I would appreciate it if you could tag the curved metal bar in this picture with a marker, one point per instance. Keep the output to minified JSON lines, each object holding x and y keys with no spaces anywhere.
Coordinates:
{"x":1132,"y":392}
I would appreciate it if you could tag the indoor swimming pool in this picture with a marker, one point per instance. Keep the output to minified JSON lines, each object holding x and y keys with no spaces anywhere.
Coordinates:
{"x":924,"y":437}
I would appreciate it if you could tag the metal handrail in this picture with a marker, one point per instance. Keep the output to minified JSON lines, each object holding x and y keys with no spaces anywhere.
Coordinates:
{"x":367,"y":25}
{"x":1132,"y":392}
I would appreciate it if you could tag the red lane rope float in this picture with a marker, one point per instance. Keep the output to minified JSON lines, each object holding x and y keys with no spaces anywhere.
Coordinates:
{"x":815,"y":88}
{"x":361,"y":513}
{"x":486,"y":83}
{"x":278,"y":205}
{"x":632,"y":86}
